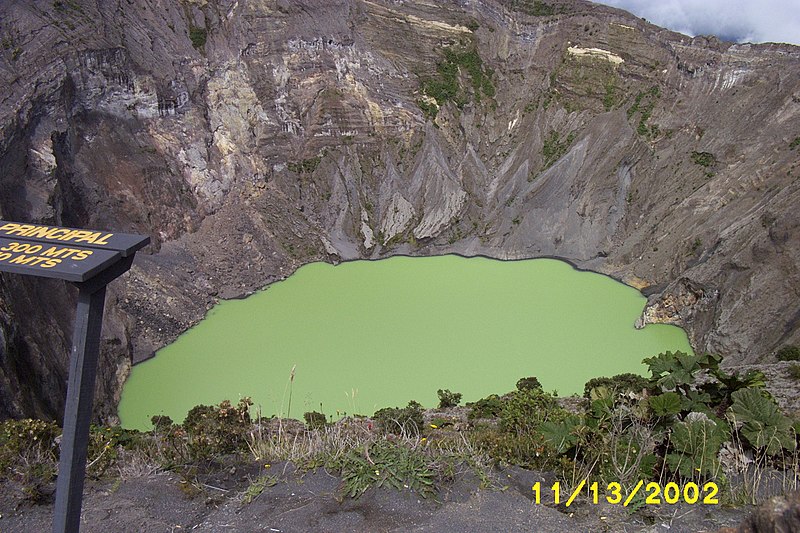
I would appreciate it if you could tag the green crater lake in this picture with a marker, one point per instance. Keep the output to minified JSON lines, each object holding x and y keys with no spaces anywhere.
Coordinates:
{"x":370,"y":334}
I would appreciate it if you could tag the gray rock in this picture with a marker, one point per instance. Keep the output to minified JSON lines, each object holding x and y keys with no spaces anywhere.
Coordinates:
{"x":293,"y":119}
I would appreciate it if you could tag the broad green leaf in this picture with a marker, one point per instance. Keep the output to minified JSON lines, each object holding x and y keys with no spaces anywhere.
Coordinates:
{"x":695,"y":444}
{"x":762,"y":424}
{"x":671,"y":370}
{"x":666,"y":404}
{"x":561,"y":435}
{"x":696,"y":401}
{"x":601,"y":393}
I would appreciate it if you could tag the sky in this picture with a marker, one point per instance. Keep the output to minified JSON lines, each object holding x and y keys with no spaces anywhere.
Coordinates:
{"x":755,"y":21}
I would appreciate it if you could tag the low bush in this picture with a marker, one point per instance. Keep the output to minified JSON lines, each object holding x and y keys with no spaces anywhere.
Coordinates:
{"x":619,"y":384}
{"x":217,"y":430}
{"x":27,"y":439}
{"x":315,"y":420}
{"x":105,"y":444}
{"x":385,"y":464}
{"x":488,"y":407}
{"x":448,"y":399}
{"x":526,"y":409}
{"x":529,"y":383}
{"x":403,"y":421}
{"x":704,"y":159}
{"x":29,"y":454}
{"x":198,"y":36}
{"x":790,"y":352}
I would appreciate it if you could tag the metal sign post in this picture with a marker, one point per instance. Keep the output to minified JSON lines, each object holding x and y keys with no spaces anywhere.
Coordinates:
{"x":90,"y":260}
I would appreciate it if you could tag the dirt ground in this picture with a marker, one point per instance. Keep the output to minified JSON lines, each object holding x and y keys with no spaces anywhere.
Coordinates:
{"x":309,"y":502}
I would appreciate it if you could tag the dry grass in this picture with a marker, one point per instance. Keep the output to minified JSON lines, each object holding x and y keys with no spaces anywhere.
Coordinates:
{"x":449,"y":454}
{"x":137,"y":463}
{"x":756,"y":477}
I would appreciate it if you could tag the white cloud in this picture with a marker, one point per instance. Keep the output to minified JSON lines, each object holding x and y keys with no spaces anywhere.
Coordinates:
{"x":754,"y":21}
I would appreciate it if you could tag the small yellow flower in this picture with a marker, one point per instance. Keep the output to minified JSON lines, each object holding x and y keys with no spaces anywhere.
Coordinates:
{"x":423,"y":439}
{"x":267,"y":465}
{"x":434,"y":426}
{"x":377,"y":472}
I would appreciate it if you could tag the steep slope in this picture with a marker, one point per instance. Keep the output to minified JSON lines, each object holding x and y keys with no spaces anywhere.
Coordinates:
{"x":248,"y":138}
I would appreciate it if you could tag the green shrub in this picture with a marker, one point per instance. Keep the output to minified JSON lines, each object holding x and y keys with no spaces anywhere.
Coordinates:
{"x":315,"y":420}
{"x":407,"y":420}
{"x":527,"y":450}
{"x":27,"y":440}
{"x":790,"y":352}
{"x":526,"y":409}
{"x":794,"y":371}
{"x":534,"y":8}
{"x":529,"y":383}
{"x":666,"y":404}
{"x":645,"y":102}
{"x":306,"y":166}
{"x":441,"y":422}
{"x":428,"y":109}
{"x":619,"y":384}
{"x":161,"y":423}
{"x":217,"y":430}
{"x":29,"y":455}
{"x":488,"y":407}
{"x":562,"y":434}
{"x":721,"y":389}
{"x":198,"y":36}
{"x":610,"y":98}
{"x":704,"y":159}
{"x":795,"y":143}
{"x":761,"y":422}
{"x":104,"y":446}
{"x":384,"y":464}
{"x":446,"y":86}
{"x":554,"y":148}
{"x":448,"y":399}
{"x":695,"y":443}
{"x":258,"y":486}
{"x":677,"y":370}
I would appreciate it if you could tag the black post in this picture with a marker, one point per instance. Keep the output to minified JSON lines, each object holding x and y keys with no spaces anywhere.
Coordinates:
{"x":91,"y":260}
{"x":78,"y":410}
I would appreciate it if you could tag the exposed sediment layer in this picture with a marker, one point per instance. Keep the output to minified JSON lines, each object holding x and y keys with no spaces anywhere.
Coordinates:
{"x":248,"y":138}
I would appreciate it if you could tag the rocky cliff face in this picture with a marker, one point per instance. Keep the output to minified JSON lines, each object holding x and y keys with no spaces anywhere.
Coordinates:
{"x":248,"y":138}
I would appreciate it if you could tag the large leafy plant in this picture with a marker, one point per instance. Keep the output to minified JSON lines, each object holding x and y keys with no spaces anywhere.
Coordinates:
{"x":695,"y":443}
{"x":760,"y":422}
{"x":676,"y":371}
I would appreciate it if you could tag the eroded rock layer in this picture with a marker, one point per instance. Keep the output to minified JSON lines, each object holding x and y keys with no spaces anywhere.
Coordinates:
{"x":248,"y":138}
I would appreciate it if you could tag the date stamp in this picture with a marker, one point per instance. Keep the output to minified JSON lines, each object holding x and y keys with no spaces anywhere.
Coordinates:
{"x":652,"y":492}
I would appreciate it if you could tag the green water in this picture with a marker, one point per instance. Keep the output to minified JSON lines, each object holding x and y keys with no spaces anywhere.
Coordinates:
{"x":369,"y":334}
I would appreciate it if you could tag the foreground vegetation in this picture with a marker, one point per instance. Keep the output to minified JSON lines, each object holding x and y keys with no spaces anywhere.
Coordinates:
{"x":689,"y":421}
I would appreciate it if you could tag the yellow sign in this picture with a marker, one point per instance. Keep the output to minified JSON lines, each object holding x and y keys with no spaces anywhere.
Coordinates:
{"x":78,"y":236}
{"x":44,"y":256}
{"x":63,"y":253}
